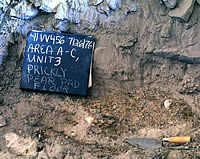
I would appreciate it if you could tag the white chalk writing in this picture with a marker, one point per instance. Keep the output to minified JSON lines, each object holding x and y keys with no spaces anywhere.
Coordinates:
{"x":44,"y":55}
{"x":44,"y":59}
{"x":40,"y":49}
{"x":84,"y":44}
{"x":47,"y":71}
{"x":55,"y":39}
{"x":72,"y":55}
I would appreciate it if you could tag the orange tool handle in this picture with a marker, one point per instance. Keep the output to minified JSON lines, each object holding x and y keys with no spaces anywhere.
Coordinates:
{"x":180,"y":139}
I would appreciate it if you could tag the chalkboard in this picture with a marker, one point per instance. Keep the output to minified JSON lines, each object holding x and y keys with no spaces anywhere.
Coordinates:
{"x":57,"y":62}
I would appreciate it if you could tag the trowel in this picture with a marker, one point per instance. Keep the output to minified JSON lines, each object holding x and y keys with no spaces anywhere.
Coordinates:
{"x":151,"y":144}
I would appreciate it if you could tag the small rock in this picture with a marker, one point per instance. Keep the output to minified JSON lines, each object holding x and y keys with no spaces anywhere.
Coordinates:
{"x":73,"y":133}
{"x":50,"y":6}
{"x":2,"y":121}
{"x":63,"y":26}
{"x":24,"y":11}
{"x":170,"y":3}
{"x":104,"y":8}
{"x":174,"y":155}
{"x":62,"y":11}
{"x":89,"y":120}
{"x":20,"y":145}
{"x":183,"y":10}
{"x":167,"y":103}
{"x":112,"y":4}
{"x":130,"y":9}
{"x":198,"y":1}
{"x":33,"y":121}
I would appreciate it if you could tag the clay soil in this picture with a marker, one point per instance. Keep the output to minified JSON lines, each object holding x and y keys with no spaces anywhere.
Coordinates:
{"x":96,"y":126}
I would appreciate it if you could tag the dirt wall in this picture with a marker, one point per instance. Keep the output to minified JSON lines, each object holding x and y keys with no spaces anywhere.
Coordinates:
{"x":139,"y":42}
{"x":140,"y":45}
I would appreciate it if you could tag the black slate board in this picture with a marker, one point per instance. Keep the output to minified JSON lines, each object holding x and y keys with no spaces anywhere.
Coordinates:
{"x":56,"y":62}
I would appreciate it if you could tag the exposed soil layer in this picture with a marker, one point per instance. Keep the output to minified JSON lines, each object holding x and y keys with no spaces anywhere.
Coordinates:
{"x":58,"y":123}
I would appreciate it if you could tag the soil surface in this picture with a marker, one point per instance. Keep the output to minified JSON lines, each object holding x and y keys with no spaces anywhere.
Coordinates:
{"x":61,"y":126}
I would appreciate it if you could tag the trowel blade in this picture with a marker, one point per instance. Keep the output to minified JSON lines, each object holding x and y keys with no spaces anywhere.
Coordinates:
{"x":144,"y":143}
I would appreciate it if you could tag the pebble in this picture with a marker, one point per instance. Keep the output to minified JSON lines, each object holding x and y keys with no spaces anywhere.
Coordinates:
{"x":2,"y":121}
{"x":89,"y":120}
{"x":21,"y":146}
{"x":167,"y":103}
{"x":23,"y":10}
{"x":73,"y":133}
{"x":183,"y":10}
{"x":174,"y":155}
{"x":170,"y":3}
